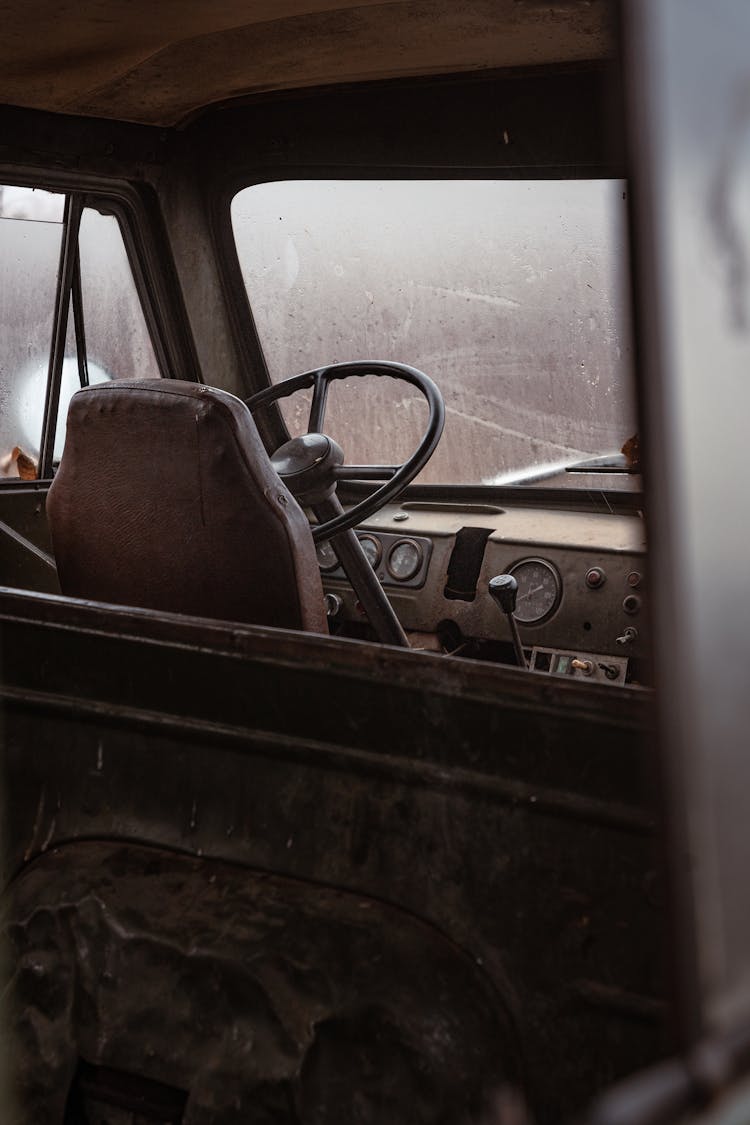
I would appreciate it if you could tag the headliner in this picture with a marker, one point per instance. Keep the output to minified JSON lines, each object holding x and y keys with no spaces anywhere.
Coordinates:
{"x":161,"y":63}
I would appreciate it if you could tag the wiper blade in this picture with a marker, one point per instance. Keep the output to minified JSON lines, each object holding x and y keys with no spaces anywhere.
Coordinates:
{"x":609,"y":463}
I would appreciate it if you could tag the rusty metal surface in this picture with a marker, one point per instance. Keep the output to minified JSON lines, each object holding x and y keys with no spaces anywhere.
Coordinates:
{"x":264,"y":999}
{"x":510,"y":813}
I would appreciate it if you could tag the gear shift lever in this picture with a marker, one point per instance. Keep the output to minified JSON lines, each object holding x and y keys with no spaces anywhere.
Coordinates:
{"x":503,"y":589}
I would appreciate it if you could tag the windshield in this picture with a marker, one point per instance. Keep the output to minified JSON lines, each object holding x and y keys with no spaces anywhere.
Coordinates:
{"x":509,"y":294}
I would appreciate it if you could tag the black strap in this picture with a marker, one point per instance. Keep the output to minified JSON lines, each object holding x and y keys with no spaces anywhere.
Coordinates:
{"x":466,"y":563}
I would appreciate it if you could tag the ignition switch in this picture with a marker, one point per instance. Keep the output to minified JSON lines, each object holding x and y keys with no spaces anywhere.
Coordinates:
{"x":334,"y":605}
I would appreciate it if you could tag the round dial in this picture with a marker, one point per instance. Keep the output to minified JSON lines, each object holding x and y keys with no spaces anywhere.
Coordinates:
{"x":327,"y":559}
{"x":404,"y":560}
{"x":539,"y":590}
{"x":372,"y":549}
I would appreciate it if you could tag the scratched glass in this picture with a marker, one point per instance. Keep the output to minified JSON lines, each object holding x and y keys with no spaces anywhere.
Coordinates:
{"x":509,"y":294}
{"x":30,"y":236}
{"x":117,"y":339}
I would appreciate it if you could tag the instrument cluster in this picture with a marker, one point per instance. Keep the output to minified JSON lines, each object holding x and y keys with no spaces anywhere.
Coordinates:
{"x":400,"y":560}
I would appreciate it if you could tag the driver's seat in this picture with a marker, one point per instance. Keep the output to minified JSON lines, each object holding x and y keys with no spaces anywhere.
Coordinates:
{"x":165,"y":498}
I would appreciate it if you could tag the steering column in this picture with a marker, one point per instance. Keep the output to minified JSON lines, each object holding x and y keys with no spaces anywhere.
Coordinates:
{"x":312,"y":465}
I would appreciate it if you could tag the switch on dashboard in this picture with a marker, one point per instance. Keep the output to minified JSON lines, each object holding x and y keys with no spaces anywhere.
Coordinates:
{"x":590,"y":666}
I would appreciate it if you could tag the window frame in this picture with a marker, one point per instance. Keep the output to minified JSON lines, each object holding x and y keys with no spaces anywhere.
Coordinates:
{"x":154,"y":278}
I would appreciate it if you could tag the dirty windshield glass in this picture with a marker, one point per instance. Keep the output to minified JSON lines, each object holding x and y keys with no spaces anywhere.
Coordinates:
{"x":509,"y":294}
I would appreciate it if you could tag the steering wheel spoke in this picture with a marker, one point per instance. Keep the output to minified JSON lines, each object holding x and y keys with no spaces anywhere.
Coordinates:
{"x":318,"y":407}
{"x":313,"y":463}
{"x":365,"y":472}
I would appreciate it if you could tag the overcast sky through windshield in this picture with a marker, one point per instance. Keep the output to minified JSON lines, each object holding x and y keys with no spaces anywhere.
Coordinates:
{"x":508,"y":293}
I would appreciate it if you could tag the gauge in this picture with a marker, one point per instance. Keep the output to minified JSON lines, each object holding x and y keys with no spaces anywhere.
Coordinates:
{"x":372,"y":549}
{"x":404,"y":559}
{"x":539,"y":590}
{"x":327,"y":559}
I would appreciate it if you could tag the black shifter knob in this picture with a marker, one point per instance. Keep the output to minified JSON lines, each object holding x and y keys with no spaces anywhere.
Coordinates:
{"x":503,"y":590}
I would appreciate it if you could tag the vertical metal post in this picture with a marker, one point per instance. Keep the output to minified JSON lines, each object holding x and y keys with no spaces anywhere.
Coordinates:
{"x":688,"y":90}
{"x":65,"y":275}
{"x":79,"y":322}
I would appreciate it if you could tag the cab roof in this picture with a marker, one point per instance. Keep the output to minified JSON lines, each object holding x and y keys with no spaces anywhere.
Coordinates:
{"x":162,"y":63}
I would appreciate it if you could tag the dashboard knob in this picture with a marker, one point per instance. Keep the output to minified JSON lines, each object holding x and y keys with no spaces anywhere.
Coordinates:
{"x":334,"y":605}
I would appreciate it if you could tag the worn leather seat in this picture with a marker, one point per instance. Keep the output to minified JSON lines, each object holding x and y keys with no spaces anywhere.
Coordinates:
{"x":165,"y":498}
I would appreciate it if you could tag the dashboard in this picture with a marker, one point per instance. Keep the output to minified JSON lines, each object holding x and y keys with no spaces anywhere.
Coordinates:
{"x":581,"y":607}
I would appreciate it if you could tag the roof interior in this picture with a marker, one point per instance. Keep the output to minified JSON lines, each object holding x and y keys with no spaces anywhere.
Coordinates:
{"x":161,"y":63}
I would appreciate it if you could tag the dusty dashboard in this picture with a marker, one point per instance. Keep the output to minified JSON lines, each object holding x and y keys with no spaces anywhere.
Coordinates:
{"x":581,"y":607}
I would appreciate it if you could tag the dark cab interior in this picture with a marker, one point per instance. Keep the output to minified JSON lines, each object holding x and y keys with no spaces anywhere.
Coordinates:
{"x":332,"y":729}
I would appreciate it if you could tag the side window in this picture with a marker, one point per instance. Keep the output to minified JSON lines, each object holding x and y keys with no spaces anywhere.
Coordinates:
{"x":117,"y":338}
{"x":31,"y":227}
{"x":101,"y":321}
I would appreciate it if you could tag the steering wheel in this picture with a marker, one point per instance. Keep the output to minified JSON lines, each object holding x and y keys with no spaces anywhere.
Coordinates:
{"x":312,"y":465}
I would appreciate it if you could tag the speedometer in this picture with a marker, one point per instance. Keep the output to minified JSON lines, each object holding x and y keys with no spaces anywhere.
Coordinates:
{"x":327,"y":558}
{"x":404,"y":559}
{"x":372,"y":549}
{"x":539,"y":590}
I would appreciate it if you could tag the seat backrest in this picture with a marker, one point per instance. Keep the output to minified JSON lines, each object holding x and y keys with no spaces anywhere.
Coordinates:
{"x":165,"y":498}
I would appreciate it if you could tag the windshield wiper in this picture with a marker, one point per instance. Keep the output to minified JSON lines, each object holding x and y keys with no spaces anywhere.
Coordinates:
{"x":609,"y":463}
